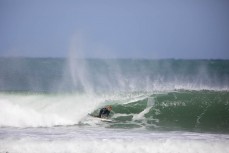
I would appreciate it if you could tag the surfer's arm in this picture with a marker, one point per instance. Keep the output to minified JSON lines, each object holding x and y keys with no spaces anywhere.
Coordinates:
{"x":101,"y":112}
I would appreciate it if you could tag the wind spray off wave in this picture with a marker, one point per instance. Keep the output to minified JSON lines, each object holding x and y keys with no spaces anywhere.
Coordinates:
{"x":102,"y":76}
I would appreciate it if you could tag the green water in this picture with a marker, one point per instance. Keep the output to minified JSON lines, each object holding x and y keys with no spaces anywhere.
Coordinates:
{"x":179,"y":110}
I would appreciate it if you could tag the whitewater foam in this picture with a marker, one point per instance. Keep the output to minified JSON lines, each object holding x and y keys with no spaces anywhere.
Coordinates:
{"x":44,"y":110}
{"x":47,"y":110}
{"x":97,"y":140}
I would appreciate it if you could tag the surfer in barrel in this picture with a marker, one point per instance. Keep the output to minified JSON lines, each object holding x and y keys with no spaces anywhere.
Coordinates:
{"x":104,"y":112}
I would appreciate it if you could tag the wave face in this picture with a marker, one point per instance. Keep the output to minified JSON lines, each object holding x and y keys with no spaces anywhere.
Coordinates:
{"x":202,"y":111}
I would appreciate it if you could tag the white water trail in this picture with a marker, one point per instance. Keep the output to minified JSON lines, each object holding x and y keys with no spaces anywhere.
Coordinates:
{"x":141,"y":115}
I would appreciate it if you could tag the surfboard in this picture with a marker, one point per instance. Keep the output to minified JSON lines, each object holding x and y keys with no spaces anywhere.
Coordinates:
{"x":101,"y":119}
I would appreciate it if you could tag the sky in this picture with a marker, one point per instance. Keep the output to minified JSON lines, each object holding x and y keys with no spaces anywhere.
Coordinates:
{"x":154,"y":29}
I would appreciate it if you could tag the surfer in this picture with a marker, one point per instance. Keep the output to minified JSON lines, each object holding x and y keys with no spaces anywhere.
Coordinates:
{"x":104,"y":112}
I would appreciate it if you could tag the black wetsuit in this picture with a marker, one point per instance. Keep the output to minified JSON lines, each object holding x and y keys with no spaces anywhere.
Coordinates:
{"x":104,"y":112}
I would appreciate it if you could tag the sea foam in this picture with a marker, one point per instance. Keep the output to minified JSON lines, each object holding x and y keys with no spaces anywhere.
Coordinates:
{"x":111,"y":141}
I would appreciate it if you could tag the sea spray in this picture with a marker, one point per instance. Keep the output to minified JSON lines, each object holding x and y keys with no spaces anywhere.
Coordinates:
{"x":111,"y":75}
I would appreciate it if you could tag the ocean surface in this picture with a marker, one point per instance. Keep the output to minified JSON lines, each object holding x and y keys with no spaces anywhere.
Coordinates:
{"x":159,"y":106}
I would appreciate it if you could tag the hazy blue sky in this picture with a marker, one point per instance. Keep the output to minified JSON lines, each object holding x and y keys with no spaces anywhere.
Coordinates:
{"x":115,"y":28}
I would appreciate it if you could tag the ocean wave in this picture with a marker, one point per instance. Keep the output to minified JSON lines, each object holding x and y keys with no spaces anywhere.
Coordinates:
{"x":202,"y":111}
